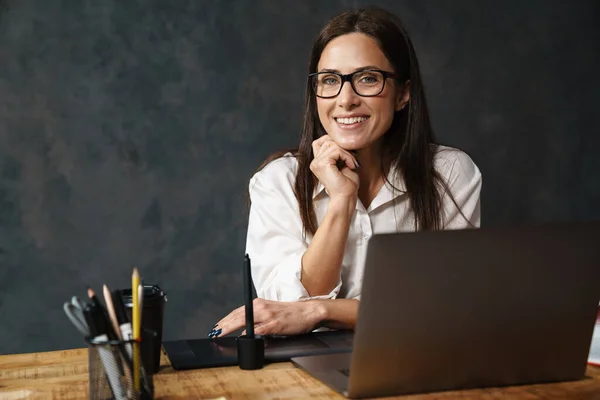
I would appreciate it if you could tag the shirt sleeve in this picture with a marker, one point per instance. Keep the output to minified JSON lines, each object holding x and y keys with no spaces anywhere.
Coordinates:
{"x":275,"y":242}
{"x":464,"y":183}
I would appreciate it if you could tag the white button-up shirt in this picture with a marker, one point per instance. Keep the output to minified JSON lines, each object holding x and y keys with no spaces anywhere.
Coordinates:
{"x":275,"y":241}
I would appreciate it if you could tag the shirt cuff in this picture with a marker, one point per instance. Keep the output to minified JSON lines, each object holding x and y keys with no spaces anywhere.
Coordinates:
{"x":286,"y":284}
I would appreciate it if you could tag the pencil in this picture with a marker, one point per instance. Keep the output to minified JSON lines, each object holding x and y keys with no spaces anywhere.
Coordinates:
{"x":111,"y":311}
{"x":110,"y":308}
{"x":135,"y":282}
{"x":105,"y":317}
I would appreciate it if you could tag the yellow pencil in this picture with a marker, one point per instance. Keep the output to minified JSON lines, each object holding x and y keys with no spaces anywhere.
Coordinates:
{"x":135,"y":317}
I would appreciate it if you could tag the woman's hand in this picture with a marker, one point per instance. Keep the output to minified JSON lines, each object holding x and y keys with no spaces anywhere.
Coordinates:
{"x":273,"y":318}
{"x":334,"y":167}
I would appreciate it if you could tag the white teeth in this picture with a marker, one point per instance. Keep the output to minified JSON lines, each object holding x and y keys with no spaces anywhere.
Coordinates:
{"x":348,"y":121}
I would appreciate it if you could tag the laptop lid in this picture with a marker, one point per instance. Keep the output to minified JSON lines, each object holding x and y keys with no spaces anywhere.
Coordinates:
{"x":476,"y":308}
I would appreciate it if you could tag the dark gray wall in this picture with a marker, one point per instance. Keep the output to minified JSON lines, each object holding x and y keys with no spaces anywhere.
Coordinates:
{"x":129,"y":130}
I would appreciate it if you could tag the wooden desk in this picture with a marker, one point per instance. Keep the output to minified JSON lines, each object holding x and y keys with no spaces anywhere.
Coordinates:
{"x":63,"y":375}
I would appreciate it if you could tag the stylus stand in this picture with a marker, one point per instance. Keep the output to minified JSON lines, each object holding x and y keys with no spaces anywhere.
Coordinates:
{"x":251,"y":352}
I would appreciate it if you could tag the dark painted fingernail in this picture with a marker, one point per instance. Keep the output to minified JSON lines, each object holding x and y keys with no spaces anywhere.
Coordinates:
{"x":218,"y":332}
{"x":216,"y":325}
{"x":212,"y":333}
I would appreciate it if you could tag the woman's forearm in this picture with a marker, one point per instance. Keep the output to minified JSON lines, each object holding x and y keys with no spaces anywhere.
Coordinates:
{"x":322,"y":261}
{"x":337,"y":313}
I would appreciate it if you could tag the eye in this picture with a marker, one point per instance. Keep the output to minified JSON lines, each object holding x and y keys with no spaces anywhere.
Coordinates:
{"x":368,"y":78}
{"x":330,"y":80}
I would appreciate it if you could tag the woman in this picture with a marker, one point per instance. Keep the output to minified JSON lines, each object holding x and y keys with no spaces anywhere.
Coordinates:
{"x":366,"y":164}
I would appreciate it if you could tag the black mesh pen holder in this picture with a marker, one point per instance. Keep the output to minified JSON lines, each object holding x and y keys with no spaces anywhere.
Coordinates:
{"x":111,"y":369}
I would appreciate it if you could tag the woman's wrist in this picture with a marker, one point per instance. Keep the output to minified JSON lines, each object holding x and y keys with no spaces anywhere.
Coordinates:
{"x":332,"y":313}
{"x":317,"y":311}
{"x":342,"y":205}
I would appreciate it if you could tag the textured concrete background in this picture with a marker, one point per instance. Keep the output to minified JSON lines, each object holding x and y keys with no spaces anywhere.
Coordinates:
{"x":129,"y":130}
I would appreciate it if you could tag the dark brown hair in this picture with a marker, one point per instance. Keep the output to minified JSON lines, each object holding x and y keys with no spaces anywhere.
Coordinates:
{"x":408,"y":145}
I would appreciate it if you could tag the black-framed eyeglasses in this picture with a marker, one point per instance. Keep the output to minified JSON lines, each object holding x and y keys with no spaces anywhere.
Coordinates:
{"x":366,"y":83}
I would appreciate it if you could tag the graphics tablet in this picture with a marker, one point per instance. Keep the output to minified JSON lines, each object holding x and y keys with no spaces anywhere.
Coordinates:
{"x":220,"y":352}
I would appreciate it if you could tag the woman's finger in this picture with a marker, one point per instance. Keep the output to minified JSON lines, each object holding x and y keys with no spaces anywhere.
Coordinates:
{"x":256,"y":330}
{"x":237,"y":318}
{"x":335,"y":153}
{"x":268,"y":328}
{"x":322,"y":140}
{"x":229,"y":324}
{"x":319,"y":144}
{"x":326,"y":148}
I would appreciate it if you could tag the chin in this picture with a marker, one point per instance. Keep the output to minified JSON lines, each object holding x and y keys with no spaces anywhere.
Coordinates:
{"x":351,"y":146}
{"x":347,"y":143}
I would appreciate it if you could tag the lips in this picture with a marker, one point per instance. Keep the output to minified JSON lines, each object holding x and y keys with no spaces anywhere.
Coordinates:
{"x":350,"y":122}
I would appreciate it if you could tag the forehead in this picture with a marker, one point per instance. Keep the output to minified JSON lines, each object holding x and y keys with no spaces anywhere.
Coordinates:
{"x":351,"y":51}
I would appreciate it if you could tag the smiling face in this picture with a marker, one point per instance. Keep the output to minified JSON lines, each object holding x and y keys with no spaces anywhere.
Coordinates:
{"x":355,"y":122}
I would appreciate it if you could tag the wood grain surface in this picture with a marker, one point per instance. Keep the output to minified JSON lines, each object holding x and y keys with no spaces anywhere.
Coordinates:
{"x":63,"y":375}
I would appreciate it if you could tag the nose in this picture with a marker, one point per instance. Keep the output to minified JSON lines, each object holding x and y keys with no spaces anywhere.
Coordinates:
{"x":348,"y":98}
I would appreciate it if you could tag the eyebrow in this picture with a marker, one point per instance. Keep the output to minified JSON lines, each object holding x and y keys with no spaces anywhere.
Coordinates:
{"x":356,"y":69}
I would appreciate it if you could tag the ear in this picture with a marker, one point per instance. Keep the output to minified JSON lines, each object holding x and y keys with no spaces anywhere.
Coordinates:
{"x":403,"y":96}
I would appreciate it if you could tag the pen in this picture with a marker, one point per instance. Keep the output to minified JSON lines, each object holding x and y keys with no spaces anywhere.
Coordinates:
{"x":248,"y":298}
{"x":110,"y":332}
{"x":123,"y":321}
{"x":120,"y":310}
{"x":141,"y":302}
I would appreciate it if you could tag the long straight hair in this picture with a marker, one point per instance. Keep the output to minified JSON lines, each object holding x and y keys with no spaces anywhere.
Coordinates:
{"x":408,"y":145}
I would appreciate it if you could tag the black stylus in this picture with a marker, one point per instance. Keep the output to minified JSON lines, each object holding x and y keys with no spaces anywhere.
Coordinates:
{"x":248,"y":298}
{"x":251,"y":349}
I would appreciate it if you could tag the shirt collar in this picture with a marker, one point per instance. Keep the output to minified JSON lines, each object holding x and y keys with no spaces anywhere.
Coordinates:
{"x":386,"y":193}
{"x":318,"y":189}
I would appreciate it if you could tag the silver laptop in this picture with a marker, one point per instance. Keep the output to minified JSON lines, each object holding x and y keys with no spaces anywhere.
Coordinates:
{"x":472,"y":308}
